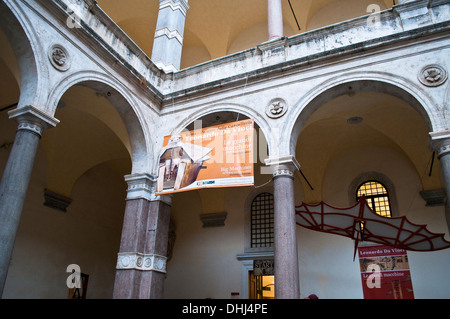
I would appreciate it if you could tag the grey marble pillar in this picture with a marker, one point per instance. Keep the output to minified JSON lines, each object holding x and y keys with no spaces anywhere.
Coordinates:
{"x":287,"y":284}
{"x":168,"y":41}
{"x":275,"y":19}
{"x":16,"y":177}
{"x":440,"y":142}
{"x":141,"y":262}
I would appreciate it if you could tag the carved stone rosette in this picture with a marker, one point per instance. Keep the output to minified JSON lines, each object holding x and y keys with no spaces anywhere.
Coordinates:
{"x":276,"y":108}
{"x":143,"y":262}
{"x":59,"y":57}
{"x":432,"y":75}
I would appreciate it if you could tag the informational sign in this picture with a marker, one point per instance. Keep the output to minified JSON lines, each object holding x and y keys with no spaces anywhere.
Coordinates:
{"x":263,"y":267}
{"x":385,"y":273}
{"x":218,"y":156}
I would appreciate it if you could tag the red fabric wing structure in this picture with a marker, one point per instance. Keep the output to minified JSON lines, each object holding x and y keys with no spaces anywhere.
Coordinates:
{"x":360,"y":223}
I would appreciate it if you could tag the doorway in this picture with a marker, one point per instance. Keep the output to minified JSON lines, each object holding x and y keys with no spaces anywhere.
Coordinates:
{"x":261,"y":287}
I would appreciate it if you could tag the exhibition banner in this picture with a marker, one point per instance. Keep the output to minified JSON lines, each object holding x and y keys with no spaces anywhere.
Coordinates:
{"x":217,"y":156}
{"x":385,"y":273}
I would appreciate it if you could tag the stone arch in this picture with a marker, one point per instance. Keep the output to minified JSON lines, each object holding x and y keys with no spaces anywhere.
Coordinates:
{"x":386,"y":83}
{"x":224,"y":107}
{"x":229,"y":107}
{"x":21,"y":35}
{"x":127,"y":107}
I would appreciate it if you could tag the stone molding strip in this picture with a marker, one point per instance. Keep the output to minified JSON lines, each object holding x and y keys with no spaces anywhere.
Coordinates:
{"x":142,"y":186}
{"x":174,"y":34}
{"x":175,"y":5}
{"x":142,"y":262}
{"x":166,"y":68}
{"x":283,"y":172}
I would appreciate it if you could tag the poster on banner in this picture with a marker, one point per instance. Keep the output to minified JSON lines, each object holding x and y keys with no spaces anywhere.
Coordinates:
{"x":217,"y":156}
{"x":385,"y":273}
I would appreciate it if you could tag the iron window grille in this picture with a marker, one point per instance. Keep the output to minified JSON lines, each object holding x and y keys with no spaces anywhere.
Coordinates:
{"x":262,"y":221}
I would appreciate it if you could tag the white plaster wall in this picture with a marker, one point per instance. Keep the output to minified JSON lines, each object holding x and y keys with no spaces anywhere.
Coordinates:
{"x":204,"y":263}
{"x":326,"y":266}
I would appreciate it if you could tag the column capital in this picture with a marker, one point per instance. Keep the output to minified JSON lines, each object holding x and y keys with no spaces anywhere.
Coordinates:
{"x":440,"y":142}
{"x":143,"y":186}
{"x":32,"y":119}
{"x":283,"y":165}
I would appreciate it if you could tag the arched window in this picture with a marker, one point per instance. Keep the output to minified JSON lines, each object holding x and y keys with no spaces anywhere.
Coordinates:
{"x":377,"y":197}
{"x":262,"y":221}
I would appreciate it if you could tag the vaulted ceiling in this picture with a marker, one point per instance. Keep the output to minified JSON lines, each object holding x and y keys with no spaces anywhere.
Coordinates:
{"x":215,"y":28}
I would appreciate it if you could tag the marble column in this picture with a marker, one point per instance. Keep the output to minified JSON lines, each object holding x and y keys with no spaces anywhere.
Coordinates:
{"x":287,"y":284}
{"x":440,"y":142}
{"x":275,"y":19}
{"x":168,"y":41}
{"x":16,"y":176}
{"x":141,"y":262}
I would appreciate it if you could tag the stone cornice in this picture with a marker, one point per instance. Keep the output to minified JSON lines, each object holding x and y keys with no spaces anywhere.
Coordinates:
{"x":186,"y":83}
{"x":345,"y":38}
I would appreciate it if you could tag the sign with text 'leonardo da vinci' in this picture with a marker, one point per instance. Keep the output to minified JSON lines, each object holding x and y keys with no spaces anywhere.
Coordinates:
{"x":217,"y":156}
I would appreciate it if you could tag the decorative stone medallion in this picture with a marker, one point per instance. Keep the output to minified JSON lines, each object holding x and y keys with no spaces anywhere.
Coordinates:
{"x":142,"y":262}
{"x":59,"y":57}
{"x":276,"y":108}
{"x":433,"y":75}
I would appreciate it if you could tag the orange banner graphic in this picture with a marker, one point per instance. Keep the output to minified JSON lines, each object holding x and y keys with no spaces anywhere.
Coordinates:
{"x":217,"y":156}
